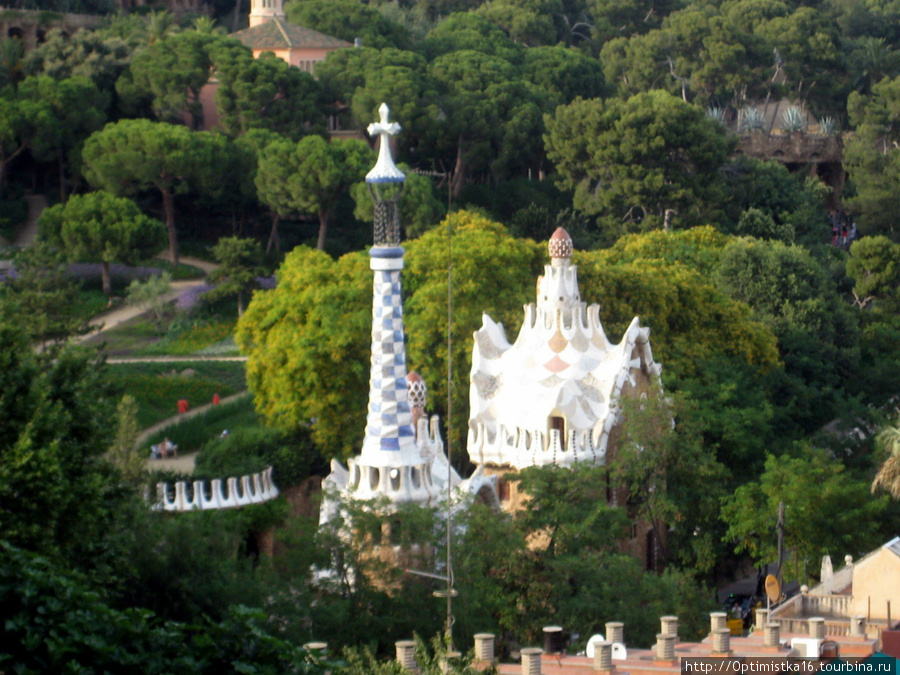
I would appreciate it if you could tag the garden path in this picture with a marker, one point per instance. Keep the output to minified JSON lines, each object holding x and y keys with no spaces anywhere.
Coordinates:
{"x":184,"y":464}
{"x":25,"y":236}
{"x":123,"y":313}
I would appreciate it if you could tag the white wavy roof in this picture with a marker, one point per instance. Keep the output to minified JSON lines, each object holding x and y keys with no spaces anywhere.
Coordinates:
{"x":561,"y":365}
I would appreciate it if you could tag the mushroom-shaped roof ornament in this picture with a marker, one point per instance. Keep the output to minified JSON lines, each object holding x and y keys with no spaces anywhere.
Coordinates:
{"x":384,"y":171}
{"x":560,"y":244}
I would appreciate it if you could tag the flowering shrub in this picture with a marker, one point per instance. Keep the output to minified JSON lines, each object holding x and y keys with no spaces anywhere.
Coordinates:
{"x":190,"y":299}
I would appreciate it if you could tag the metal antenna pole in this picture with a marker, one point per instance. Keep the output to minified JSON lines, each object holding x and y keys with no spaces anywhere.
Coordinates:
{"x":448,"y":592}
{"x":449,"y":413}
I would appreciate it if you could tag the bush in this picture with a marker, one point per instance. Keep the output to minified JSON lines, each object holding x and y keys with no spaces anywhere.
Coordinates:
{"x":252,"y":449}
{"x":188,"y":336}
{"x":54,"y":623}
{"x":14,"y":211}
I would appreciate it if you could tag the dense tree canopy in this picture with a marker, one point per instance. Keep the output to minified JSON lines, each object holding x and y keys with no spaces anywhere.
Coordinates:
{"x":55,"y":494}
{"x":265,"y":93}
{"x":634,"y":160}
{"x":169,"y":75}
{"x":82,"y":54}
{"x":824,"y":510}
{"x":134,"y":156}
{"x":818,"y":336}
{"x":71,"y":110}
{"x":101,"y":225}
{"x":308,"y":177}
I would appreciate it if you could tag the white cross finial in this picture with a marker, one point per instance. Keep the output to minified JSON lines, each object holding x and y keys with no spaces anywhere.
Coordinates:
{"x":384,"y":171}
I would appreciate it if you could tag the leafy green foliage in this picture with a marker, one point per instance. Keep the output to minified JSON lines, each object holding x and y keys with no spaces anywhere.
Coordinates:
{"x":167,"y":76}
{"x":348,"y":20}
{"x":41,"y":298}
{"x":874,"y":266}
{"x":122,"y":453}
{"x":85,"y":53}
{"x":70,"y":110}
{"x":54,"y":622}
{"x":558,"y":557}
{"x":239,"y":265}
{"x":493,"y":117}
{"x":660,"y":448}
{"x":150,"y":295}
{"x":632,"y":160}
{"x":367,"y":77}
{"x":826,"y":511}
{"x":817,"y":334}
{"x":265,"y":93}
{"x":526,"y":22}
{"x":792,"y":202}
{"x":307,"y":346}
{"x":101,"y":225}
{"x":253,"y":449}
{"x":309,"y":176}
{"x":135,"y":156}
{"x":56,"y":493}
{"x":760,"y":225}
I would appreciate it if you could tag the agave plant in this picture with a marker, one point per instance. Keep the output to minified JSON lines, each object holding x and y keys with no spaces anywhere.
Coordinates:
{"x":828,"y":126}
{"x":792,"y":120}
{"x":717,"y":114}
{"x":750,"y":119}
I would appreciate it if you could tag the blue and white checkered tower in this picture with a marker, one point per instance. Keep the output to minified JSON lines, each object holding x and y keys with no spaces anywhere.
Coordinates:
{"x":392,"y":462}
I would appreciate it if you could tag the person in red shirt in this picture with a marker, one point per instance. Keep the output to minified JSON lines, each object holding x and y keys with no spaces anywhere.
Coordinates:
{"x":182,"y":406}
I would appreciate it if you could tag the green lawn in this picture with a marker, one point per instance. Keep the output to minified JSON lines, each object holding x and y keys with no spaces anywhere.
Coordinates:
{"x":89,"y":304}
{"x":193,"y":433}
{"x":157,"y":387}
{"x":209,"y":336}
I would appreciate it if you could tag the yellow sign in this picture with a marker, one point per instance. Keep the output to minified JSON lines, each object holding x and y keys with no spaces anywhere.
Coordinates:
{"x":773,"y":588}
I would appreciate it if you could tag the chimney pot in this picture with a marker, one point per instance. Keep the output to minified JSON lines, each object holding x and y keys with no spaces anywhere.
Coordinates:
{"x":554,"y":640}
{"x":773,"y":634}
{"x":721,"y":641}
{"x":531,"y":660}
{"x":484,"y":647}
{"x":615,"y":631}
{"x":665,"y":647}
{"x":817,"y":627}
{"x":717,"y":620}
{"x":603,"y":656}
{"x":406,"y":654}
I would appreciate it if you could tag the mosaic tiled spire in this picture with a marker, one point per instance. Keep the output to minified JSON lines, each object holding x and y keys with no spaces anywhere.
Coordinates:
{"x":390,"y":438}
